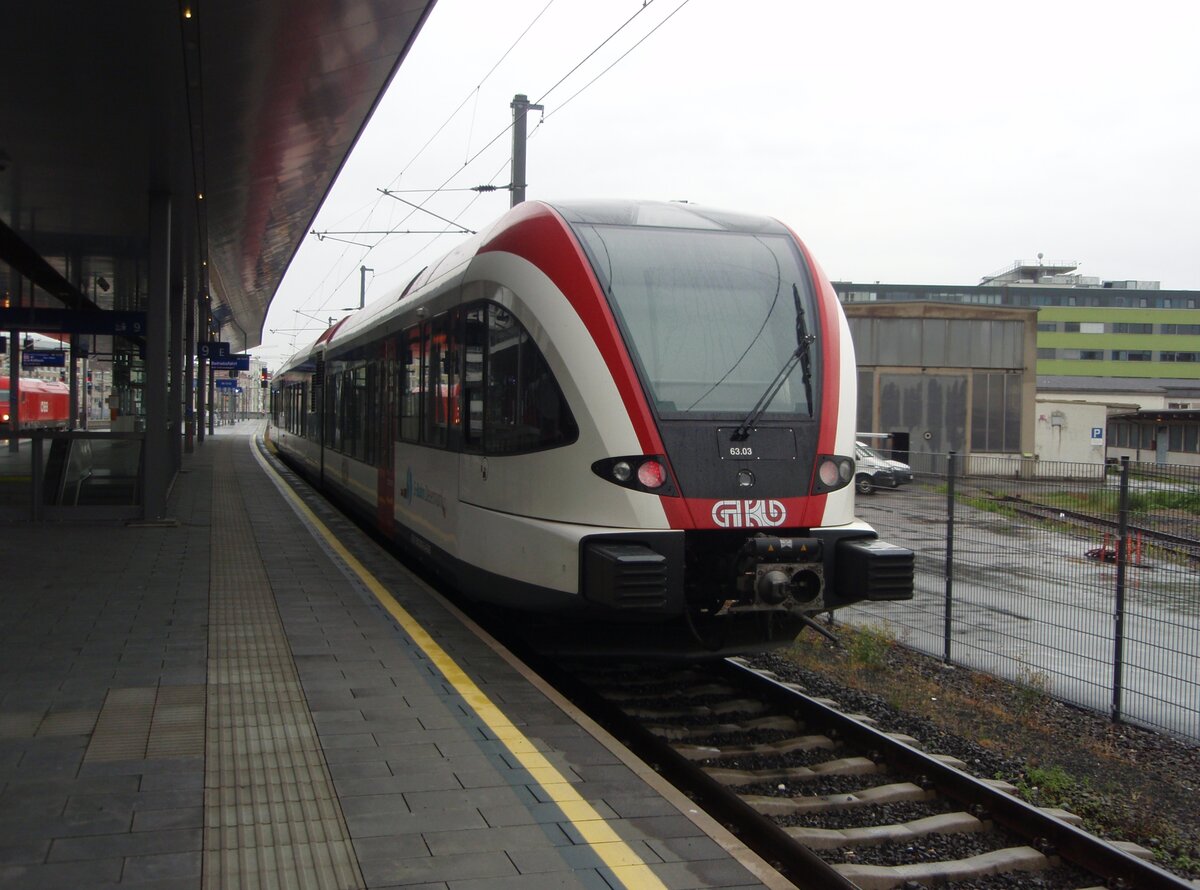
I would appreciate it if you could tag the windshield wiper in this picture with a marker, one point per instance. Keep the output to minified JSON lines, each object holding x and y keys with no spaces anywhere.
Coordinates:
{"x":801,"y":355}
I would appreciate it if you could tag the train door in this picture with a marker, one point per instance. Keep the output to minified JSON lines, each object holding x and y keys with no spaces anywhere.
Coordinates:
{"x":473,"y":463}
{"x":386,"y":430}
{"x":426,"y":462}
{"x":515,"y":414}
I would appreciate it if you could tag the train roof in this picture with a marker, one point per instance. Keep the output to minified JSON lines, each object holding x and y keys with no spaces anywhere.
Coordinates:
{"x":663,"y":214}
{"x":575,"y":212}
{"x":36,"y":384}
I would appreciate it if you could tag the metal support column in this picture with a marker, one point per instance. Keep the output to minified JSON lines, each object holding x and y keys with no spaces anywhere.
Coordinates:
{"x":202,"y":323}
{"x":189,"y":369}
{"x":156,"y":459}
{"x":520,"y":105}
{"x":73,"y":399}
{"x":14,"y":377}
{"x":175,"y":365}
{"x":14,"y":388}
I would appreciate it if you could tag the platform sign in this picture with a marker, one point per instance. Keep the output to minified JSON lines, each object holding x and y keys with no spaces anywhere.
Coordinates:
{"x":213,"y":349}
{"x":223,"y":383}
{"x":43,"y":358}
{"x":233,"y":363}
{"x":73,"y":321}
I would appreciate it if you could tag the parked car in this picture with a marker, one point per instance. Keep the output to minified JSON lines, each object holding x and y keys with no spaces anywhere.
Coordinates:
{"x":873,"y":470}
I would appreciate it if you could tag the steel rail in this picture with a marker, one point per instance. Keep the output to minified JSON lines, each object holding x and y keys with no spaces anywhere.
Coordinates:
{"x":1046,"y":833}
{"x":762,"y":835}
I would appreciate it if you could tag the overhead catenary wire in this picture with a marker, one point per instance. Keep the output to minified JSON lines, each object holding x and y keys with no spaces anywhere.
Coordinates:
{"x":420,"y":151}
{"x":645,"y":5}
{"x":480,"y":189}
{"x":614,"y":63}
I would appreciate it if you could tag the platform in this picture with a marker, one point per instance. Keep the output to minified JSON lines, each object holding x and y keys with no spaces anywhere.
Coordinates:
{"x":252,"y":694}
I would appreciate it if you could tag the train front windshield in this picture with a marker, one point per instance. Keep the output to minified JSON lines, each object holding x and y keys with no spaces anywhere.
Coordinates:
{"x":711,"y":316}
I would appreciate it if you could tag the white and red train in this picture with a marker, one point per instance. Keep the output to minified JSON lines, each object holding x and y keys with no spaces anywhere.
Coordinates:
{"x":44,"y":404}
{"x":639,"y":416}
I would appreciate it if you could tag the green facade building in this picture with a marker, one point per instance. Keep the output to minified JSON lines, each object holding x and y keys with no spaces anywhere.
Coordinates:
{"x":1085,"y":327}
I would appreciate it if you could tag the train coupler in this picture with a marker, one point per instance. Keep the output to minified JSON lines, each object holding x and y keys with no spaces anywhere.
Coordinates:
{"x":778,"y":574}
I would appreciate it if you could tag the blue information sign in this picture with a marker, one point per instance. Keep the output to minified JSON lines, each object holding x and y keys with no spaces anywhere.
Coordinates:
{"x":43,"y":358}
{"x":224,"y":383}
{"x":233,"y":363}
{"x":73,"y":321}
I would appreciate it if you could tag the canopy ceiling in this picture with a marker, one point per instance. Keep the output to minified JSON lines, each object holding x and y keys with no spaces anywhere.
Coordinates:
{"x":251,"y":104}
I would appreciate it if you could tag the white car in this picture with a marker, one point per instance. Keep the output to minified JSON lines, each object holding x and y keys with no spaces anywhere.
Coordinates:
{"x":873,"y":470}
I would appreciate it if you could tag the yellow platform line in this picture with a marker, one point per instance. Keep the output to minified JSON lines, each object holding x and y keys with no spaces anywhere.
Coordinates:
{"x":626,"y":865}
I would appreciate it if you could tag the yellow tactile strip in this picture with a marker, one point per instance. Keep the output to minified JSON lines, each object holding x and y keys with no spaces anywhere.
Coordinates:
{"x":625,"y":864}
{"x":271,"y":817}
{"x":138,"y":722}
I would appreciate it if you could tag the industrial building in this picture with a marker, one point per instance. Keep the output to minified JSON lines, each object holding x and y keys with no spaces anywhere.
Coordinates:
{"x":1110,"y":369}
{"x":1086,"y":327}
{"x":935,"y":378}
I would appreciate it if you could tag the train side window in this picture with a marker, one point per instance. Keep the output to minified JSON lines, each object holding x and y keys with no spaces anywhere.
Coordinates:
{"x":370,"y":416}
{"x":524,"y":409}
{"x":451,"y":399}
{"x":433,"y":339}
{"x":474,"y":339}
{"x":333,"y":433}
{"x":410,"y":386}
{"x":388,"y":425}
{"x":441,"y":414}
{"x":353,"y":414}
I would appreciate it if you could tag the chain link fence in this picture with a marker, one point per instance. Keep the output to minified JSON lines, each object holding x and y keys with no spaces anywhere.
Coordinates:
{"x":1079,"y":581}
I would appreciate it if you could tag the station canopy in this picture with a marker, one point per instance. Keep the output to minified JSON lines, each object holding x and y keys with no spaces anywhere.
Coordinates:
{"x":240,"y":112}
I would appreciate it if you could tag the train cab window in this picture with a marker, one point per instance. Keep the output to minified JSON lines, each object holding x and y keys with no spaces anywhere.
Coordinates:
{"x":711,"y":317}
{"x":523,"y":409}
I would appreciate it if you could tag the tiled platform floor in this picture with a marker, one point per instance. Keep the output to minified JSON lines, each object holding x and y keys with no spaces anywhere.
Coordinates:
{"x":217,"y":701}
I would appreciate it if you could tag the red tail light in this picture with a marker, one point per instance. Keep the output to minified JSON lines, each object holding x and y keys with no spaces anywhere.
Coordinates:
{"x":652,"y":474}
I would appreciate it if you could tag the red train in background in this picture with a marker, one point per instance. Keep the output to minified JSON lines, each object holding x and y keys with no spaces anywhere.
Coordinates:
{"x":44,"y":405}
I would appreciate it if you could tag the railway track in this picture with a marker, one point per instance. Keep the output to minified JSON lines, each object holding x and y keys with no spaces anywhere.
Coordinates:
{"x":1179,"y":545}
{"x":834,"y":802}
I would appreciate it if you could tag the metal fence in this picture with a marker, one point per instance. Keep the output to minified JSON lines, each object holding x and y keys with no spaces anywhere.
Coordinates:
{"x":1077,"y":580}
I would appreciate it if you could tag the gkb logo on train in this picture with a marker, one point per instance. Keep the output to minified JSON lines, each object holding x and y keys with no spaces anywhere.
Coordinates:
{"x":748,"y":514}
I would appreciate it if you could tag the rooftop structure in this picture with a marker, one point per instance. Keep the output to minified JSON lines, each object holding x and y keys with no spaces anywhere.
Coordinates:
{"x":1087,"y":327}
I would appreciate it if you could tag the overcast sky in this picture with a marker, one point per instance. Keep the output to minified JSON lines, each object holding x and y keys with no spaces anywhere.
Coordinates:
{"x":923,"y":142}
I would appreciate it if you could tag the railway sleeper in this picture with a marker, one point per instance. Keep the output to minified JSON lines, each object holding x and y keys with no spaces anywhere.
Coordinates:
{"x":760,"y":724}
{"x":846,"y":766}
{"x":897,"y":792}
{"x":686,"y":692}
{"x":736,"y":706}
{"x":874,"y":835}
{"x":886,"y":877}
{"x":785,"y":746}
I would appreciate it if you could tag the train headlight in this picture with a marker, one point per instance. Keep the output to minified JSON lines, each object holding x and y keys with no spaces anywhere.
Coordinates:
{"x":833,"y":472}
{"x":641,"y":472}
